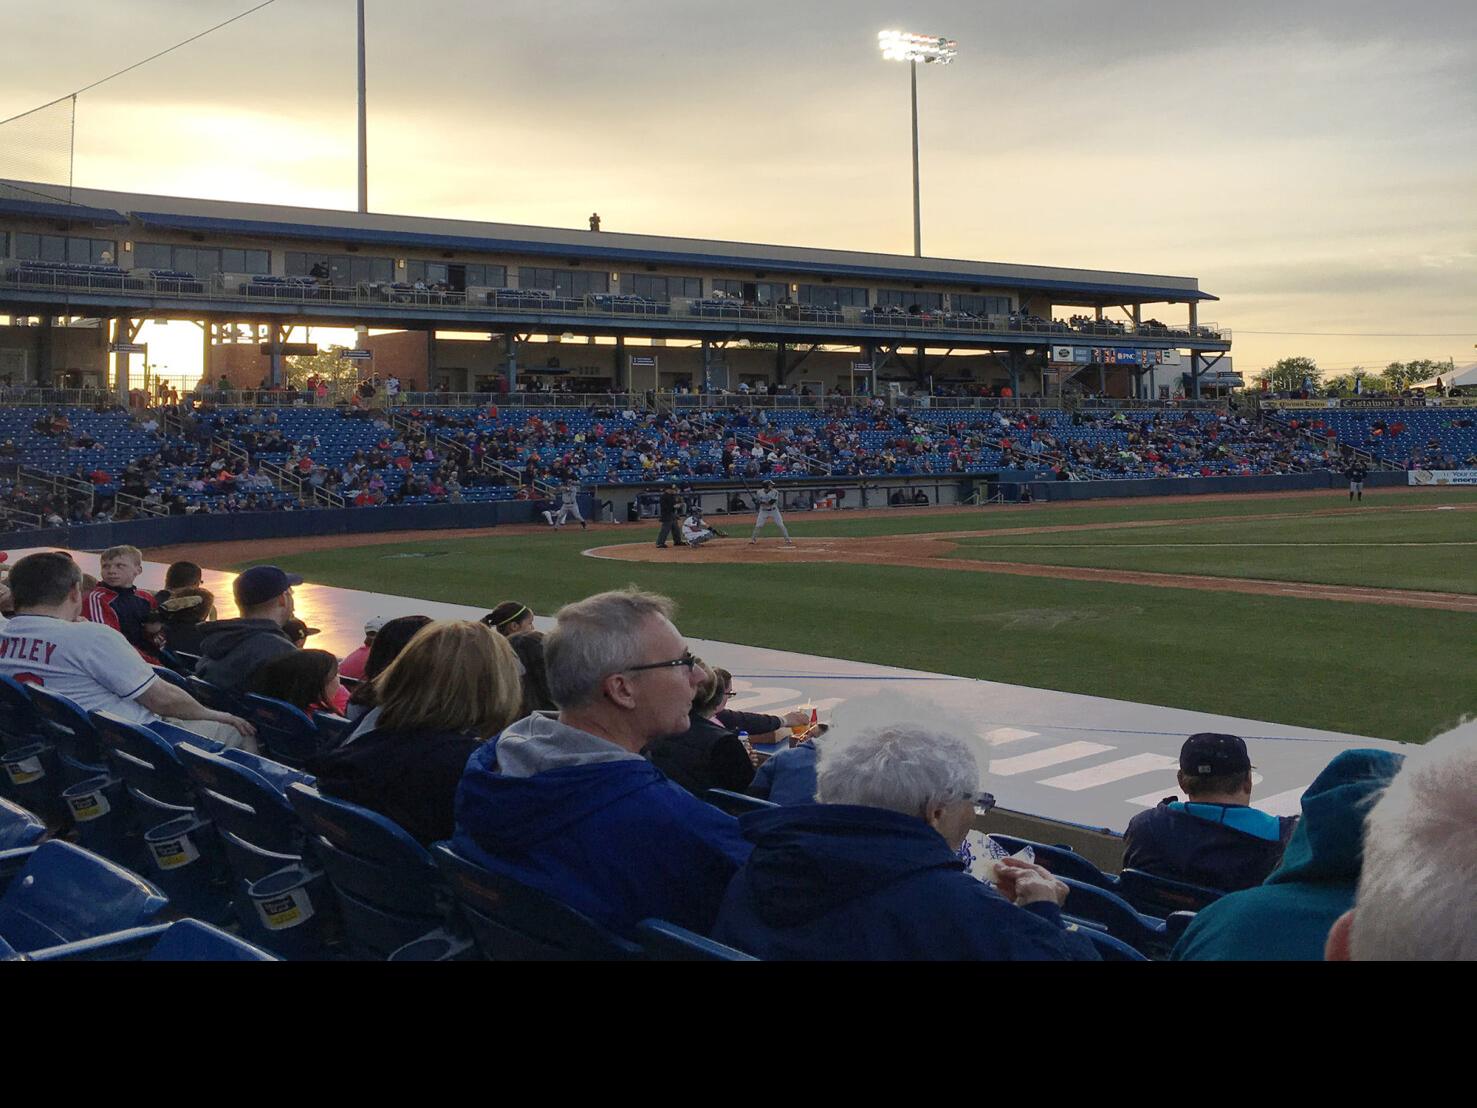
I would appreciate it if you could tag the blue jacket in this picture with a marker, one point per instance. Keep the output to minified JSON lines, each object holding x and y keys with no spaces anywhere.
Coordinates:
{"x":1219,"y":846}
{"x":1288,"y":918}
{"x":615,"y":840}
{"x":834,"y":881}
{"x":788,"y":777}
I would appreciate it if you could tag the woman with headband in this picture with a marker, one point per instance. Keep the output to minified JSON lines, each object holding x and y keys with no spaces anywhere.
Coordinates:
{"x":509,"y":618}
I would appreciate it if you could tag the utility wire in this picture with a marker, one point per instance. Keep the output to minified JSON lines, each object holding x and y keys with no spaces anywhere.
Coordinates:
{"x":135,"y":65}
{"x":1365,"y":334}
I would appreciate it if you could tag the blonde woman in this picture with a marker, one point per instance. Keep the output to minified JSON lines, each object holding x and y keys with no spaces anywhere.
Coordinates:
{"x":454,"y":686}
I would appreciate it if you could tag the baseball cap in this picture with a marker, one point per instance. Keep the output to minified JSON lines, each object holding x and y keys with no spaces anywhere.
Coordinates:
{"x":262,"y":583}
{"x":295,"y":628}
{"x":1210,"y":755}
{"x":373,"y":624}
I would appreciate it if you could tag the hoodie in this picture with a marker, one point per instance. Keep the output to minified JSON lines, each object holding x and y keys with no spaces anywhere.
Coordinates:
{"x":596,"y":827}
{"x":233,"y":649}
{"x":789,"y":777}
{"x":837,"y":881}
{"x":1216,"y":846}
{"x":1288,"y":917}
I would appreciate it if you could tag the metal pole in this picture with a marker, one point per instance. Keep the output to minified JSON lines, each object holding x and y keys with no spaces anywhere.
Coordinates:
{"x":917,"y":217}
{"x":363,"y":123}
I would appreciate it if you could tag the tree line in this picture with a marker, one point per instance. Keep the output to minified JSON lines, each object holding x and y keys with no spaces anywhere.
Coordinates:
{"x":1290,"y":374}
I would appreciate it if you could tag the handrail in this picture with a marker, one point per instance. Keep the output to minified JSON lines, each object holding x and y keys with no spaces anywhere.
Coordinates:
{"x":57,"y":481}
{"x":137,"y":505}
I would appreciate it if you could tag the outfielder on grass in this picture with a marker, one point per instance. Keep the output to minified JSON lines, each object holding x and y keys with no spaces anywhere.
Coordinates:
{"x":768,"y":499}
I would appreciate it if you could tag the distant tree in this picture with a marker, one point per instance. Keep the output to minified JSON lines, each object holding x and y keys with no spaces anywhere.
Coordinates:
{"x":1342,"y":385}
{"x":1401,"y":375}
{"x":341,"y":373}
{"x":1289,"y":374}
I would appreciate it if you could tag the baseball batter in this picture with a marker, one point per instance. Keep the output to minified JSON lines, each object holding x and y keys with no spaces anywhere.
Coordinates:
{"x":768,"y":500}
{"x":569,"y":508}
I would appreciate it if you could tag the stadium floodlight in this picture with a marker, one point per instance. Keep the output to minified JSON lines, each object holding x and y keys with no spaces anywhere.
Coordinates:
{"x":904,"y":46}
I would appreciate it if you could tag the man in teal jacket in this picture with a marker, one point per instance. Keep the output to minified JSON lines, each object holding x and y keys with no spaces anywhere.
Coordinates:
{"x":1288,"y":917}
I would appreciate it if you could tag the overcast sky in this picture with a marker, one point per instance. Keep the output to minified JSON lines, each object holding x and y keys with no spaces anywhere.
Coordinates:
{"x":1313,"y":162}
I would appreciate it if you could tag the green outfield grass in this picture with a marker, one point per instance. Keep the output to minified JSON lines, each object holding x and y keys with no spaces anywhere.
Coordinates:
{"x":1398,"y":673}
{"x":1382,"y":548}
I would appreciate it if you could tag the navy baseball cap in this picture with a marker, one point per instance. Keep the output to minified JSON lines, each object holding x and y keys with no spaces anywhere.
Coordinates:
{"x":1211,"y":755}
{"x":262,"y":583}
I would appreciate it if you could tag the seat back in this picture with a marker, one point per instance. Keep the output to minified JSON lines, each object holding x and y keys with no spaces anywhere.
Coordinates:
{"x":240,"y":800}
{"x":1160,"y":896}
{"x":19,"y":826}
{"x":512,"y":922}
{"x":666,"y":942}
{"x":389,"y":890}
{"x":164,"y":673}
{"x":1109,"y":949}
{"x":65,"y":893}
{"x":1096,"y":905}
{"x":186,"y":940}
{"x":1062,"y":861}
{"x":736,"y":804}
{"x":146,"y":761}
{"x":212,"y":696}
{"x":19,"y":724}
{"x":284,"y":731}
{"x":66,"y":725}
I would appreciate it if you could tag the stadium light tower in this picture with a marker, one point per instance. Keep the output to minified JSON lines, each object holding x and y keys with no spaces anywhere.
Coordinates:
{"x":363,"y":122}
{"x":903,"y":46}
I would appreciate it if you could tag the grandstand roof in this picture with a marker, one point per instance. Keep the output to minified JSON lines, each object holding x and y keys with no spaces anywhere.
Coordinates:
{"x":278,"y":221}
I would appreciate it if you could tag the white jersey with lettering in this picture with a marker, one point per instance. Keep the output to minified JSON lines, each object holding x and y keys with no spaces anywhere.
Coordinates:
{"x":89,"y":663}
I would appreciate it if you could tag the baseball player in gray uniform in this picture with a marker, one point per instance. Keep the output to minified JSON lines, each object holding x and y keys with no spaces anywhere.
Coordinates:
{"x":569,"y":507}
{"x":768,"y":500}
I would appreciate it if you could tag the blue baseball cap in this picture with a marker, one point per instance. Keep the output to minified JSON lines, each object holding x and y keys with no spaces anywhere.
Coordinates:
{"x":262,"y":583}
{"x":1209,"y":754}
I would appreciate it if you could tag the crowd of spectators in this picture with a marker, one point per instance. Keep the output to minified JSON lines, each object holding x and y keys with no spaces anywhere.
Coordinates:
{"x":577,"y":762}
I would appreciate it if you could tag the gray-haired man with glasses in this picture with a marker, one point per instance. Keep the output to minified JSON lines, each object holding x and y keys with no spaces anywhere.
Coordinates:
{"x":567,"y":804}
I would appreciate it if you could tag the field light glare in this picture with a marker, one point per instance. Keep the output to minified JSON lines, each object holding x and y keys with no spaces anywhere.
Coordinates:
{"x":903,"y":46}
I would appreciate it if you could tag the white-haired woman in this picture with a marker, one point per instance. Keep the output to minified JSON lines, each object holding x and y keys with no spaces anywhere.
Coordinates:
{"x":872,"y":870}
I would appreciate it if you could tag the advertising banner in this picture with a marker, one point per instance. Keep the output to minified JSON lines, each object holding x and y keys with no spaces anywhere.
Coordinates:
{"x":1443,"y":476}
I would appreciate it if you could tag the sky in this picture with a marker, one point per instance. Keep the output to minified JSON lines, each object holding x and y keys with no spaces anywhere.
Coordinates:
{"x":1312,"y":162}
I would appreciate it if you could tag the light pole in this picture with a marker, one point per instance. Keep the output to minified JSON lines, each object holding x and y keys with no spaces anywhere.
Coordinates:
{"x":903,"y":46}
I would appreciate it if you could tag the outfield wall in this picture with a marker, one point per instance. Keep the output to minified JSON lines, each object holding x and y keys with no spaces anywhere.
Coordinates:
{"x":246,"y":526}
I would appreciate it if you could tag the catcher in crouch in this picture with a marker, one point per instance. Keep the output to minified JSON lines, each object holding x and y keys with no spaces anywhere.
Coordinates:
{"x":768,"y":500}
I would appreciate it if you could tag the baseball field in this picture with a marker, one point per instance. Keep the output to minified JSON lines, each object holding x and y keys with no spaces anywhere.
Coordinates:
{"x":1292,"y":608}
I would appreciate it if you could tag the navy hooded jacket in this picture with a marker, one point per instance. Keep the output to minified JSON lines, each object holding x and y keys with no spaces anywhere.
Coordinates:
{"x":789,"y":777}
{"x":1288,"y":918}
{"x":615,"y":840}
{"x":840,"y":882}
{"x":1218,"y":846}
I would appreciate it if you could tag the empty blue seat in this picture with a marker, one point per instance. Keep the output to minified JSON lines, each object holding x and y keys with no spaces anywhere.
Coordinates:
{"x":1109,"y":948}
{"x":666,"y":942}
{"x":512,"y":922}
{"x":1094,"y":905}
{"x":65,"y":893}
{"x":1160,"y":896}
{"x":389,"y":890}
{"x":242,"y":795}
{"x":186,"y":940}
{"x":65,"y":724}
{"x":19,"y":724}
{"x":19,"y":826}
{"x":212,"y":696}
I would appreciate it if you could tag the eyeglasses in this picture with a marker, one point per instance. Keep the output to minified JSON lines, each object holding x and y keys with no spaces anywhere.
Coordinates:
{"x":688,"y":659}
{"x":983,"y":802}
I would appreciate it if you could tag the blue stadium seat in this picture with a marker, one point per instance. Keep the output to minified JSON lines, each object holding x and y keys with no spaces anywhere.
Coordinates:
{"x":212,"y":696}
{"x":19,"y":827}
{"x":1160,"y":896}
{"x":1109,"y":948}
{"x":512,"y":922}
{"x":1093,"y":905}
{"x":666,"y":942}
{"x":65,"y":893}
{"x":66,"y":726}
{"x":166,"y":674}
{"x":186,"y":940}
{"x":389,"y":890}
{"x":736,"y":804}
{"x":19,"y":724}
{"x":264,"y":841}
{"x":1062,"y":861}
{"x":286,"y":733}
{"x":94,"y":796}
{"x":32,"y":776}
